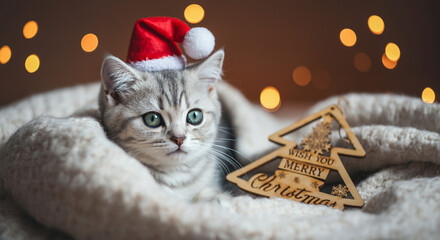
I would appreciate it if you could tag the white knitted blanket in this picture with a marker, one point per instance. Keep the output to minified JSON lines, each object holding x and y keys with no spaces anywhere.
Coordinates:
{"x":61,"y":178}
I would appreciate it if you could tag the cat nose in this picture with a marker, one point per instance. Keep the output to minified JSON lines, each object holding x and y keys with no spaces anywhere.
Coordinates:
{"x":178,"y":140}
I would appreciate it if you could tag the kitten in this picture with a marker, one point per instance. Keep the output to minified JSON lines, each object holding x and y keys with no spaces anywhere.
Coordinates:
{"x":168,"y":120}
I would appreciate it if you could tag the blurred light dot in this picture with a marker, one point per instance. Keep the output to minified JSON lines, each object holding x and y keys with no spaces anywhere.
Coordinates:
{"x":428,"y":95}
{"x":376,"y":24}
{"x":362,"y":62}
{"x":194,"y":13}
{"x":302,"y":76}
{"x":5,"y":54}
{"x":89,"y":42}
{"x":392,"y":51}
{"x":348,"y":37}
{"x":270,"y":98}
{"x":321,"y":79}
{"x":32,"y":63}
{"x":30,"y":29}
{"x":387,"y":62}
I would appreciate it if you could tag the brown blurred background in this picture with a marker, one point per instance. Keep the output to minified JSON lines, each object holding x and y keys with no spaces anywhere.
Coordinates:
{"x":264,"y":42}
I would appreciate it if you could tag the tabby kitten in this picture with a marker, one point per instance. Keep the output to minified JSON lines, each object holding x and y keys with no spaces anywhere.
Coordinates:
{"x":168,"y":120}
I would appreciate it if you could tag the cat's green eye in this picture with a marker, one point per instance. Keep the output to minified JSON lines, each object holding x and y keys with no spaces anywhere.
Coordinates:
{"x":194,"y":117}
{"x":153,"y":119}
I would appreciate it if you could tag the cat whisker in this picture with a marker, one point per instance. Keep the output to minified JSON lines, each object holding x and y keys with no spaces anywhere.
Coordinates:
{"x":150,"y":144}
{"x":224,"y":160}
{"x":221,"y":163}
{"x":222,"y":166}
{"x":226,"y":157}
{"x":137,"y":153}
{"x":221,"y":155}
{"x":232,"y":150}
{"x":225,"y":132}
{"x":225,"y":139}
{"x":224,"y":127}
{"x":159,"y":145}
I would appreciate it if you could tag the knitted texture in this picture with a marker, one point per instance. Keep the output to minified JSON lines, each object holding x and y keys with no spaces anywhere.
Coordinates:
{"x":62,"y":178}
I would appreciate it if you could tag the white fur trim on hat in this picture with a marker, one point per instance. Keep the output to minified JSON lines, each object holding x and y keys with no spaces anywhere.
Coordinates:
{"x":198,"y":43}
{"x":152,"y":65}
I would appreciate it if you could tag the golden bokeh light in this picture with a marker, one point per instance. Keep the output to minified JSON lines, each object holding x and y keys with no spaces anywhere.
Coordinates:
{"x":362,"y":62}
{"x":194,"y":13}
{"x":348,"y":37}
{"x":428,"y":95}
{"x":5,"y":54}
{"x":30,"y":29}
{"x":321,"y":79}
{"x":376,"y":24}
{"x":392,"y":51}
{"x":270,"y":98}
{"x":302,"y":76}
{"x":32,"y":63}
{"x":89,"y":42}
{"x":387,"y":62}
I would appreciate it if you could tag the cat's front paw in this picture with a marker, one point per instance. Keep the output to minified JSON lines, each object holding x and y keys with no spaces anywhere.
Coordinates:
{"x":211,"y":194}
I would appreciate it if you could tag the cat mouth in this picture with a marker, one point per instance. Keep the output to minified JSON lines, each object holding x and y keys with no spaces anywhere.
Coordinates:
{"x":177,"y":151}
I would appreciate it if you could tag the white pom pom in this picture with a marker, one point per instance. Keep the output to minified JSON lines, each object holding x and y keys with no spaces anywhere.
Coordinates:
{"x":198,"y":43}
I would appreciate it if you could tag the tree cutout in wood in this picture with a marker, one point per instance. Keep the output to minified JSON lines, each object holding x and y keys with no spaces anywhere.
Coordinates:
{"x":303,"y":170}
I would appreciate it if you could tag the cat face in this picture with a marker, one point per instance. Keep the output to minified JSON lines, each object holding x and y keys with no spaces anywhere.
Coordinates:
{"x":165,"y":119}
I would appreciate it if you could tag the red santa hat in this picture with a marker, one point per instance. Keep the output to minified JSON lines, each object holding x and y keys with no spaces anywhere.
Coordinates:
{"x":153,"y":45}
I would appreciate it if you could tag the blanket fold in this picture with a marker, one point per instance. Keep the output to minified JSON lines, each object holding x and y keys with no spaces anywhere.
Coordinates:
{"x":61,"y":177}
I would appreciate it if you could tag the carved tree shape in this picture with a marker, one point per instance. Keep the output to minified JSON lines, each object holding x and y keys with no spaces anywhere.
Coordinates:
{"x":304,"y":187}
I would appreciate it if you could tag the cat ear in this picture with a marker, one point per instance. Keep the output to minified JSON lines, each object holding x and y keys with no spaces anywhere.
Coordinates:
{"x":117,"y":77}
{"x":210,"y":70}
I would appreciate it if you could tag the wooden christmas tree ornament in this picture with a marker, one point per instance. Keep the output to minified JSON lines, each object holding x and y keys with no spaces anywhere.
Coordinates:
{"x":304,"y":170}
